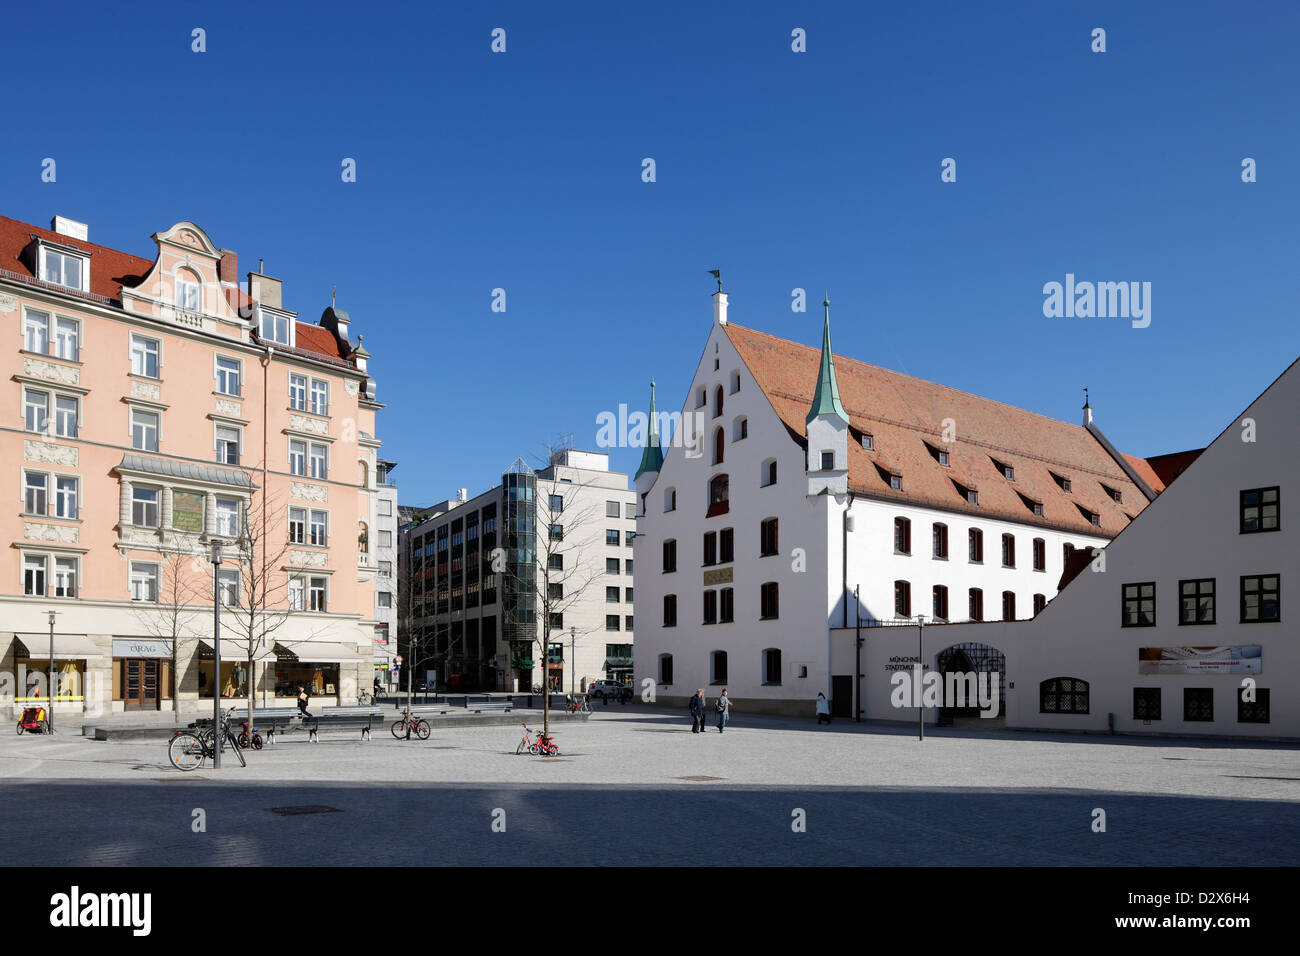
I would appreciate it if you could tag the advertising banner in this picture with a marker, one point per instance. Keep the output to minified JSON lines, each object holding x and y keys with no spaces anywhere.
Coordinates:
{"x":1223,"y":659}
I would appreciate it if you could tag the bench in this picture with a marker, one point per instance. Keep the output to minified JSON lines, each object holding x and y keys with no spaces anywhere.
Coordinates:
{"x":273,"y":720}
{"x":479,"y":706}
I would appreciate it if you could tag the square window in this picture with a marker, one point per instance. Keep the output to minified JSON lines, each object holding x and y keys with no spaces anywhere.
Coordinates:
{"x":1139,"y":605}
{"x":1261,"y":599}
{"x":1253,"y":711}
{"x":144,"y":507}
{"x":1198,"y":703}
{"x":1196,"y":601}
{"x":1259,"y":510}
{"x":144,"y":582}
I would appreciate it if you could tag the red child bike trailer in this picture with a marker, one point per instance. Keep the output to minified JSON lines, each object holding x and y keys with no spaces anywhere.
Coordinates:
{"x":33,"y":719}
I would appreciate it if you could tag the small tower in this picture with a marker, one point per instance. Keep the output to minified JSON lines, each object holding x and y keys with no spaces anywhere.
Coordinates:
{"x":652,"y":459}
{"x":828,"y":426}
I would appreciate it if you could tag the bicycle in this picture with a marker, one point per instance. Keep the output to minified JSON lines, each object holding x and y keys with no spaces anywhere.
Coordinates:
{"x":365,"y":698}
{"x":403,"y":727}
{"x":188,"y":749}
{"x":542,"y":744}
{"x":582,"y":705}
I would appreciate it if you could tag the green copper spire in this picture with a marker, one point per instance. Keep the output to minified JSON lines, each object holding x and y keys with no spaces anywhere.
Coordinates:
{"x":826,"y":400}
{"x":652,"y":459}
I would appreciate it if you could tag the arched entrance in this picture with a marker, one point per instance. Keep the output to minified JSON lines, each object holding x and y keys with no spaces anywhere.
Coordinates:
{"x":983,"y":661}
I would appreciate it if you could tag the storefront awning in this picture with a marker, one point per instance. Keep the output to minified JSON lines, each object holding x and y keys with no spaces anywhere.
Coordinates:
{"x":66,"y":646}
{"x":233,"y":652}
{"x":318,"y":652}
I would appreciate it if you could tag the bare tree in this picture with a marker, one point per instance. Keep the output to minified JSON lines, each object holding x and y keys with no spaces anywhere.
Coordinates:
{"x":260,"y":603}
{"x":178,"y":610}
{"x":565,"y":563}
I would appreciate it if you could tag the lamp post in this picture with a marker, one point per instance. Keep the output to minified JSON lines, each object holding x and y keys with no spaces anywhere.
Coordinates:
{"x":857,"y":656}
{"x":49,"y":718}
{"x":573,"y":659}
{"x":920,"y":663}
{"x":216,"y":655}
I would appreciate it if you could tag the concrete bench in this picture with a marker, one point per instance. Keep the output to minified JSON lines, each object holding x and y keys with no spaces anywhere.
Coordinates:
{"x":273,"y":720}
{"x":479,"y":706}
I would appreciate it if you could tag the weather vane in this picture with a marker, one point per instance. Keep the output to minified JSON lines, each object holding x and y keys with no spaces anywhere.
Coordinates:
{"x":717,"y":274}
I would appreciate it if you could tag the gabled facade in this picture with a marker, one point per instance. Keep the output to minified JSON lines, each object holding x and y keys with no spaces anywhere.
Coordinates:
{"x":801,"y":475}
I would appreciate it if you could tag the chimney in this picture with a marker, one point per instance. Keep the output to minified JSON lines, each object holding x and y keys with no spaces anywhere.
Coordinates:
{"x":265,"y":289}
{"x":720,"y":308}
{"x":228,"y":267}
{"x":70,"y":228}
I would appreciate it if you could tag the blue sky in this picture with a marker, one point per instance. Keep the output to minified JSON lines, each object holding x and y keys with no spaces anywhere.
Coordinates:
{"x":816,"y":170}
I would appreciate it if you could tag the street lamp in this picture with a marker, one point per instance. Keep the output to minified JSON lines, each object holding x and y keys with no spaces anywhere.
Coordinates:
{"x":216,"y":654}
{"x":49,"y":718}
{"x":920,"y":663}
{"x":573,"y":659}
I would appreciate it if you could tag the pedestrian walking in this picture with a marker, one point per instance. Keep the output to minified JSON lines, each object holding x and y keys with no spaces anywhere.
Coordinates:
{"x":302,"y":702}
{"x":723,"y":707}
{"x":823,"y":709}
{"x":697,"y":712}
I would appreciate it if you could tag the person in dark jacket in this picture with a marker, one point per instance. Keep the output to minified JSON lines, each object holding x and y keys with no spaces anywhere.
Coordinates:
{"x":302,"y":702}
{"x":697,"y":712}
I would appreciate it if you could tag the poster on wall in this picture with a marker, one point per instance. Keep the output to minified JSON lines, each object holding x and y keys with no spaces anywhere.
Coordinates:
{"x":1222,"y":659}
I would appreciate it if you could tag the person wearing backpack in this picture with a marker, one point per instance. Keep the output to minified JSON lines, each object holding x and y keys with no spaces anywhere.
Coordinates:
{"x":723,"y":707}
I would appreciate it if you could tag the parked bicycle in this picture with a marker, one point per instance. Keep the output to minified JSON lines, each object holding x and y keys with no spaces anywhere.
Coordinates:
{"x":188,"y":749}
{"x":409,"y":724}
{"x":365,"y":698}
{"x":541,"y":744}
{"x":577,"y":705}
{"x":248,"y":739}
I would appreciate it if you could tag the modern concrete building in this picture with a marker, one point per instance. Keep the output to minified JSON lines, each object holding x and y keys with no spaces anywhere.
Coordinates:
{"x":797,"y":478}
{"x":158,"y":409}
{"x":484,"y":570}
{"x":1183,"y":625}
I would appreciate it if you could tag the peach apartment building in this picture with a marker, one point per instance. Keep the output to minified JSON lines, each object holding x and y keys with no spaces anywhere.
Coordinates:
{"x":152,"y":408}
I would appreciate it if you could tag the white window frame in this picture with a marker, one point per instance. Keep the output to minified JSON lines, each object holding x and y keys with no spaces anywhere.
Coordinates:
{"x":274,"y":318}
{"x":221,"y":376}
{"x":385,"y":539}
{"x":319,"y":386}
{"x":228,"y":587}
{"x":227,"y":523}
{"x":29,"y":563}
{"x":42,"y":407}
{"x":384,"y":598}
{"x":318,"y":585}
{"x":61,"y":573}
{"x":146,"y":574}
{"x":35,"y":321}
{"x":385,"y":508}
{"x":187,"y":294}
{"x":218,"y":442}
{"x":298,"y":526}
{"x":157,"y":428}
{"x":65,"y":501}
{"x":301,"y":469}
{"x":29,"y":490}
{"x":299,"y":387}
{"x":323,"y":457}
{"x":59,"y":416}
{"x":318,"y":528}
{"x":297,"y":594}
{"x":145,"y":352}
{"x":60,"y":339}
{"x":144,"y":507}
{"x":82,"y":260}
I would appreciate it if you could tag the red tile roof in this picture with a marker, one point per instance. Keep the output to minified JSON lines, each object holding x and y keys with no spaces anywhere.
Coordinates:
{"x":1169,"y":467}
{"x":111,"y":270}
{"x":903,"y":414}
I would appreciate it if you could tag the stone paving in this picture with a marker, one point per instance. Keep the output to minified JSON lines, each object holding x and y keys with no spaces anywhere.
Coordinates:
{"x":635,"y":786}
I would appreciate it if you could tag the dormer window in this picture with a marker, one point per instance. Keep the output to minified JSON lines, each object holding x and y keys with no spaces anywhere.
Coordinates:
{"x":275,"y":327}
{"x":896,"y":482}
{"x":1035,"y":506}
{"x":970,"y":494}
{"x":1093,"y":517}
{"x":937,"y":454}
{"x":1115,"y":493}
{"x":868,"y":441}
{"x":1062,"y":481}
{"x":65,"y":268}
{"x":1007,"y":471}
